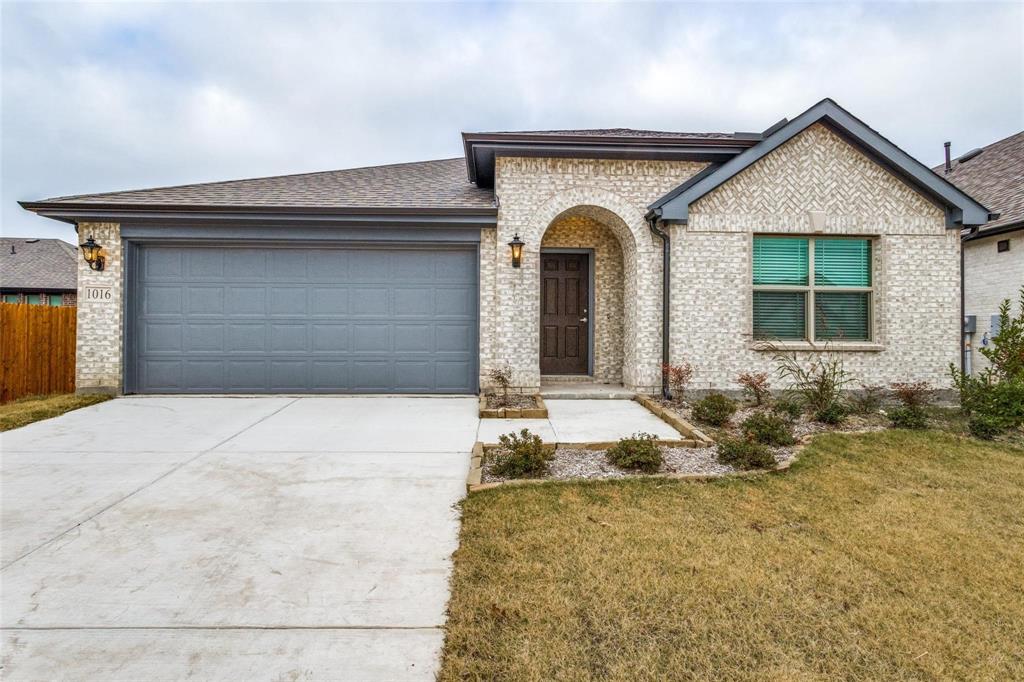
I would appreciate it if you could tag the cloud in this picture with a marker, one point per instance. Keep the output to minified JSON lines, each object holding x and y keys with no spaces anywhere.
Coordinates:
{"x":100,"y":97}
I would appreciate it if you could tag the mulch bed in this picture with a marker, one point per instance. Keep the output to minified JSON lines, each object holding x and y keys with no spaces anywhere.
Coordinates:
{"x":515,"y":401}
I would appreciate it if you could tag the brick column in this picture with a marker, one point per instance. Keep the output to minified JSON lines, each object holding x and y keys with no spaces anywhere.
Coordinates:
{"x":99,"y":337}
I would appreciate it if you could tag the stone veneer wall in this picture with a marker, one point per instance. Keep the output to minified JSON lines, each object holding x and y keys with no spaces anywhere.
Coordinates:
{"x":99,"y":335}
{"x":531,"y":194}
{"x":578,"y":231}
{"x":990,"y":278}
{"x":817,"y":183}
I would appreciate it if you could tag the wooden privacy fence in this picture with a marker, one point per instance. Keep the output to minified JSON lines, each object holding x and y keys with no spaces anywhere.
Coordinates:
{"x":37,"y":350}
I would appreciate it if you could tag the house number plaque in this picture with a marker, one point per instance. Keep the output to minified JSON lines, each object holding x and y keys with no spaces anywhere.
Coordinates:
{"x":98,"y":293}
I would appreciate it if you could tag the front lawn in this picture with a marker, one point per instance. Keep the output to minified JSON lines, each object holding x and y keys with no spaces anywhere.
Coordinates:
{"x":27,"y":410}
{"x":890,"y":555}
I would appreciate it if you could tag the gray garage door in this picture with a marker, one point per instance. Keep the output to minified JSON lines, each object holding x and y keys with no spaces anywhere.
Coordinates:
{"x":311,"y":320}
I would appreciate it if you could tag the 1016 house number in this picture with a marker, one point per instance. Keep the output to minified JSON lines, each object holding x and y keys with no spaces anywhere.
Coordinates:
{"x":98,"y":293}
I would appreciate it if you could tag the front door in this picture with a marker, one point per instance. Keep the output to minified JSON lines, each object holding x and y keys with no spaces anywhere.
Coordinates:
{"x":564,"y":313}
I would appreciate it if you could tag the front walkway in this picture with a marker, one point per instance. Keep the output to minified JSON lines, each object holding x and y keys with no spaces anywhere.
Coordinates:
{"x":579,"y":421}
{"x":232,"y":538}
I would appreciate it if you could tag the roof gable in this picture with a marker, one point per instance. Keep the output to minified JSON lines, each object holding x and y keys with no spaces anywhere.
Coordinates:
{"x":960,"y":208}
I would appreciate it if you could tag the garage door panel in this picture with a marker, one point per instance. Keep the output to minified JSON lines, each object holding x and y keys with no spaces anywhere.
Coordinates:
{"x":355,"y":319}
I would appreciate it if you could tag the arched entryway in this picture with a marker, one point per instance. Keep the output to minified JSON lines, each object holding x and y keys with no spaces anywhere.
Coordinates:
{"x":582,"y":294}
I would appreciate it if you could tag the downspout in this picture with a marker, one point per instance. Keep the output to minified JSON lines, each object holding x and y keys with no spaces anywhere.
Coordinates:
{"x":963,"y":306}
{"x":666,"y":277}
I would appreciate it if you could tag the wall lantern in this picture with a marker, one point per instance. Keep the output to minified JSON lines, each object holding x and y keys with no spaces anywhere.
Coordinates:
{"x":517,"y":250}
{"x":93,"y":253}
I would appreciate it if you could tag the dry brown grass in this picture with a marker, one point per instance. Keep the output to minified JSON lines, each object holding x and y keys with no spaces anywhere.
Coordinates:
{"x":27,"y":410}
{"x":892,"y":555}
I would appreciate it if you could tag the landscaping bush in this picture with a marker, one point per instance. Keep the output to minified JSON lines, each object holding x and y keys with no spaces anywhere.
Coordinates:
{"x":868,"y":400}
{"x":743,"y":453}
{"x":1006,"y":352}
{"x":639,"y":452}
{"x":788,"y":408}
{"x":912,"y":393}
{"x":520,"y":455}
{"x":818,"y":384}
{"x":985,"y":427}
{"x":767,"y":428}
{"x":502,"y":378}
{"x":907,"y":417}
{"x":832,"y":414}
{"x":756,"y":385}
{"x":678,"y":378}
{"x":715,"y":409}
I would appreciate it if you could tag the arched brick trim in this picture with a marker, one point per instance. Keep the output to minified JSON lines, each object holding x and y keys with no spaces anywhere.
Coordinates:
{"x":641,"y":276}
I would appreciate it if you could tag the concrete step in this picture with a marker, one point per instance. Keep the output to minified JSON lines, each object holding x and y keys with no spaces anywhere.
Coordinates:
{"x":576,"y":390}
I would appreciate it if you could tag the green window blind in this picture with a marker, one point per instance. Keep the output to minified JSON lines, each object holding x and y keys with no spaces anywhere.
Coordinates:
{"x":842,"y":262}
{"x":33,"y":299}
{"x":780,"y":315}
{"x":780,"y":261}
{"x":841,"y":316}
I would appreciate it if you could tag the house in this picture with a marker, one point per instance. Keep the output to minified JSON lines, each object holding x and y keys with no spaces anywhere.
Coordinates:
{"x":574,"y":254}
{"x":38,"y":271}
{"x":993,"y":253}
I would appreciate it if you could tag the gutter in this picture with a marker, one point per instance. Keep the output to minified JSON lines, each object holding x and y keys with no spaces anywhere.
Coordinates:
{"x":666,"y":279}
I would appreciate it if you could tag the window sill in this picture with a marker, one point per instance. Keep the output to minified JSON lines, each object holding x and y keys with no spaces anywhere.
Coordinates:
{"x":839,"y":346}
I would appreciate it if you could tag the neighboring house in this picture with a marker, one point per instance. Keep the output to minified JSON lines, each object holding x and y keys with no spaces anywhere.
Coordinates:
{"x":994,"y":253}
{"x":817,"y":233}
{"x":38,"y":271}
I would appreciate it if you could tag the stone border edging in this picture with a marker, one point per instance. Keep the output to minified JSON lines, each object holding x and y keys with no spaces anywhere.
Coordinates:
{"x":675,"y":421}
{"x":539,"y":412}
{"x":473,"y":480}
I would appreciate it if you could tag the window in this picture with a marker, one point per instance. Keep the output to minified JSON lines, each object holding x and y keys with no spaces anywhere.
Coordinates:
{"x":1002,"y":245}
{"x":812,"y":288}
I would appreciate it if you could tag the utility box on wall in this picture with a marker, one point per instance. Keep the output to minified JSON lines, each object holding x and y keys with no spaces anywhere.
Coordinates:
{"x":970,"y":324}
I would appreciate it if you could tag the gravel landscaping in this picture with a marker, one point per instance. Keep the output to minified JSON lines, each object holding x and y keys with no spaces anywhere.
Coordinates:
{"x":571,"y":463}
{"x":515,"y":401}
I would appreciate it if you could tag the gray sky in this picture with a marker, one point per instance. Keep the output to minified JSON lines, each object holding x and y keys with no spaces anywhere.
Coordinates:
{"x":102,"y":97}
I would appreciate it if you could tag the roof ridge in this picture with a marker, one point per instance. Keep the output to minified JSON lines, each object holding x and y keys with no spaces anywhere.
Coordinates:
{"x":237,"y":180}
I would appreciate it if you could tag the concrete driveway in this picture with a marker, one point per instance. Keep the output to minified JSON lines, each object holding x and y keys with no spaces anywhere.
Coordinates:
{"x":232,"y":538}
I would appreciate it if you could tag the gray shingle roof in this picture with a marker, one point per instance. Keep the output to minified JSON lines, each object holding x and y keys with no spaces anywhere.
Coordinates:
{"x":425,"y":184}
{"x":37,"y":264}
{"x":995,"y":177}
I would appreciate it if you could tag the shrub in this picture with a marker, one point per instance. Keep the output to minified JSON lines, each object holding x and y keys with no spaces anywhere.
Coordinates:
{"x":521,"y":455}
{"x":833,"y":414}
{"x":1006,"y":352}
{"x":715,"y":409}
{"x":912,"y":393}
{"x":995,"y":404}
{"x":788,"y":408}
{"x":818,"y":385}
{"x":756,"y":385}
{"x":743,"y":453}
{"x":502,"y":377}
{"x":985,"y":427}
{"x":678,"y":378}
{"x":770,"y":429}
{"x":908,"y":417}
{"x":868,"y":400}
{"x":639,"y":452}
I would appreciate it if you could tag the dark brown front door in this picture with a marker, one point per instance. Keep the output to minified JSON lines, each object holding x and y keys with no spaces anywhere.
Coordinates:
{"x":564,"y":313}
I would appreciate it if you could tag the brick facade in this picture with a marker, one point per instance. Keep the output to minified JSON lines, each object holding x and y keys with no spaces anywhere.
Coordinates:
{"x":815,"y":183}
{"x":991,"y":277}
{"x":532,"y":194}
{"x":100,"y":319}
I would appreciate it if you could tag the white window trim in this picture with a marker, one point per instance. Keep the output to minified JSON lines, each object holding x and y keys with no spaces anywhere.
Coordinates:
{"x":872,"y":344}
